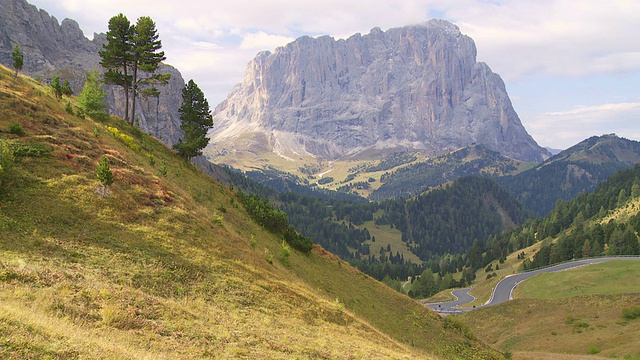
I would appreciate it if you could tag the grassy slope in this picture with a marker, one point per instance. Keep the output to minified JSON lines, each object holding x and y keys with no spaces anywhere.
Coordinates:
{"x":171,"y":266}
{"x":618,"y":277}
{"x":571,"y":312}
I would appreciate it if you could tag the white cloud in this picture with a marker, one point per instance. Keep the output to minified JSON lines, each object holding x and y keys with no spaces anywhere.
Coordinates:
{"x":563,"y":129}
{"x":523,"y":38}
{"x":260,"y":41}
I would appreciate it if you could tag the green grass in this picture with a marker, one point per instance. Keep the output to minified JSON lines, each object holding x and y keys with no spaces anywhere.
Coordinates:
{"x":385,"y":236}
{"x":588,"y":310}
{"x":614,"y":277}
{"x":158,"y":269}
{"x":560,"y":328}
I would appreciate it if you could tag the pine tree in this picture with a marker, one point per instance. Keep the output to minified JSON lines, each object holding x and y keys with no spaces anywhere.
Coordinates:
{"x":196,"y":120}
{"x":146,"y":57}
{"x":117,"y":56}
{"x":586,"y":248}
{"x":57,"y":88}
{"x":92,"y":96}
{"x":104,"y":175}
{"x":18,"y":59}
{"x":66,"y":88}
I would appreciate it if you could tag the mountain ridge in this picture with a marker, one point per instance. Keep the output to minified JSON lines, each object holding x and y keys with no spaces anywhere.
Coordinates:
{"x":580,"y":168}
{"x":417,"y":87}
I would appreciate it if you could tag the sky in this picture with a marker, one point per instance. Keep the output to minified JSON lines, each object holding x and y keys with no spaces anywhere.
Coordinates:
{"x":571,"y":67}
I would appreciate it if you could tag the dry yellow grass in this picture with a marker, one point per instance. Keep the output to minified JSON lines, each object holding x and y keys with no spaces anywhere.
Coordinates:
{"x":171,"y":266}
{"x":580,"y":325}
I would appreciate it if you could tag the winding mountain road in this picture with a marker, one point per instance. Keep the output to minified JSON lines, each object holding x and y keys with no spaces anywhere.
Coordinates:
{"x":502,"y":292}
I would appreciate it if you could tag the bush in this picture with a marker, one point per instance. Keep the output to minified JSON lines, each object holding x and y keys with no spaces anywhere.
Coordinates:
{"x":69,"y":108}
{"x":594,"y":350}
{"x":297,"y":240}
{"x":274,"y":220}
{"x":29,"y":149}
{"x":163,"y":168}
{"x":105,"y":176}
{"x":124,"y":138}
{"x":452,"y":322}
{"x":16,"y":129}
{"x":325,"y":180}
{"x":285,"y":252}
{"x":631,"y":313}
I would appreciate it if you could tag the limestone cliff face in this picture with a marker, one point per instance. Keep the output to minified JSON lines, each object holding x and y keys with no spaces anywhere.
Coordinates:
{"x":417,"y":87}
{"x":62,"y":49}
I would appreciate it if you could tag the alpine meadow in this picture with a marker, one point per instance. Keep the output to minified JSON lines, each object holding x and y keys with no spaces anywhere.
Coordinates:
{"x":313,"y":190}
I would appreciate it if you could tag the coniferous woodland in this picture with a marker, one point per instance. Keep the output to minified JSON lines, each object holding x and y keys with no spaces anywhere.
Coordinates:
{"x":459,"y":228}
{"x":580,"y":226}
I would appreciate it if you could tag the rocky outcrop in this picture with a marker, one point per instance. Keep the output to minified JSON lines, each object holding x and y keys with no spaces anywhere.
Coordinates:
{"x":416,"y":88}
{"x":62,"y":49}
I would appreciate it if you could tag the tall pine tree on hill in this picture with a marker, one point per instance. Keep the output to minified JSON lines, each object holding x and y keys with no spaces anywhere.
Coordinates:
{"x":18,"y":59}
{"x":196,"y":120}
{"x":117,"y":56}
{"x":146,"y":57}
{"x":131,"y":48}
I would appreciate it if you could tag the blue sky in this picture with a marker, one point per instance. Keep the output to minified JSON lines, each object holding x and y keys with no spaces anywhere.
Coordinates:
{"x":571,"y":67}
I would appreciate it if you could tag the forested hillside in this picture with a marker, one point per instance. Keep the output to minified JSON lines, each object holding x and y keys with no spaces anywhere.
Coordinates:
{"x":578,"y":169}
{"x":604,"y":222}
{"x":412,"y":180}
{"x":439,"y":226}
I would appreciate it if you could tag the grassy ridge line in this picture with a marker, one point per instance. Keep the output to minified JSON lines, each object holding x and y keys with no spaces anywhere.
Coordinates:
{"x":171,"y":265}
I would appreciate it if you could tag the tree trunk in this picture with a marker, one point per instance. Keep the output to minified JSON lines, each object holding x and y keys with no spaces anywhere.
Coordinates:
{"x":126,"y":96}
{"x":134,"y":92}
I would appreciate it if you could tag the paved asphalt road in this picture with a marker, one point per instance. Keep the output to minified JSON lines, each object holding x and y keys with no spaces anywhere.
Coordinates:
{"x":462,"y":297}
{"x":504,"y":288}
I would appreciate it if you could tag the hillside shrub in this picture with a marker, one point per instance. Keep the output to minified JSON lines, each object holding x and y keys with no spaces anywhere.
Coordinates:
{"x":452,"y":322}
{"x":29,"y":149}
{"x":124,"y":138}
{"x":16,"y":129}
{"x":631,"y":313}
{"x":104,"y":175}
{"x":69,"y":108}
{"x":325,"y":180}
{"x":274,"y":220}
{"x":284,"y":254}
{"x":297,"y":240}
{"x":163,"y":168}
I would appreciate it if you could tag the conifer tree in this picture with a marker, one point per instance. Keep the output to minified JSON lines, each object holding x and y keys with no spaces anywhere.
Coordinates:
{"x":130,"y":49}
{"x":196,"y":120}
{"x":146,"y":57}
{"x":56,"y":86}
{"x":18,"y":59}
{"x":92,"y":96}
{"x":117,"y":56}
{"x":66,"y":88}
{"x":104,"y":175}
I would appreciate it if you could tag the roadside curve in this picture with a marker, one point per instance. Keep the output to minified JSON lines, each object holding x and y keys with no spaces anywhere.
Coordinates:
{"x":503,"y":291}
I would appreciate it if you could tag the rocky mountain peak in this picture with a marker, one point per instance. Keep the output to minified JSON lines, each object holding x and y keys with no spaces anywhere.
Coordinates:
{"x":415,"y":88}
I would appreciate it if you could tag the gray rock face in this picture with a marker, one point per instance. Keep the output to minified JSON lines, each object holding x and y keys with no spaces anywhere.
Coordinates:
{"x":62,"y":49}
{"x":417,"y":87}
